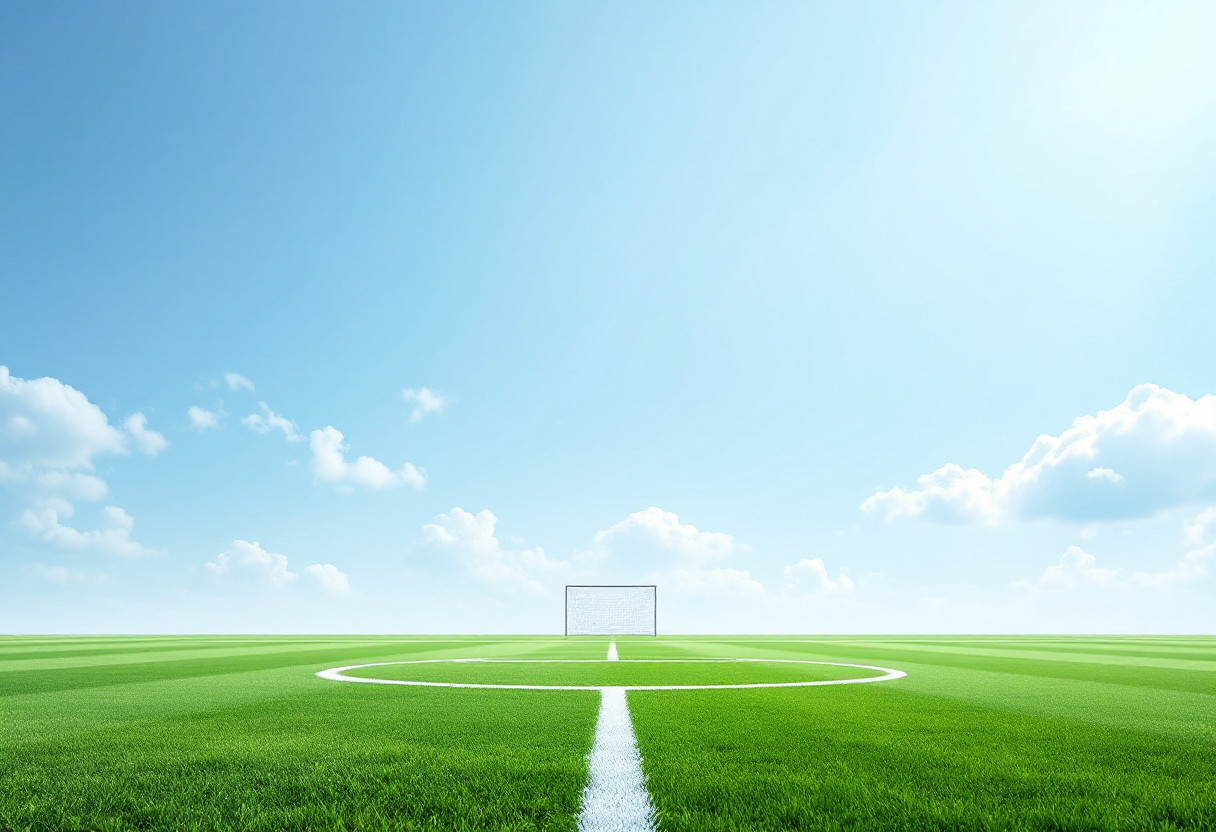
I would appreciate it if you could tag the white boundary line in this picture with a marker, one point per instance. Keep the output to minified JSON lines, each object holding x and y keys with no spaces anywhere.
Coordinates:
{"x":335,"y":674}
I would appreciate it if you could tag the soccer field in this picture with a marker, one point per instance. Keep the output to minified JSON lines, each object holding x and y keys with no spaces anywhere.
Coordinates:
{"x":239,"y":733}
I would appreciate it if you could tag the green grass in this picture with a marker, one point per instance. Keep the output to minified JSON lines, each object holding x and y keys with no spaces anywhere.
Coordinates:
{"x":237,"y":733}
{"x":992,"y":734}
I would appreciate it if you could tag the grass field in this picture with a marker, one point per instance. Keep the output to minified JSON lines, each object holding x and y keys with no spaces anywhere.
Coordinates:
{"x":237,"y":733}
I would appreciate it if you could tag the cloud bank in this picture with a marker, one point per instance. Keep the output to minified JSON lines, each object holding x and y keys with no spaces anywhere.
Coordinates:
{"x":648,"y":546}
{"x":1156,"y":450}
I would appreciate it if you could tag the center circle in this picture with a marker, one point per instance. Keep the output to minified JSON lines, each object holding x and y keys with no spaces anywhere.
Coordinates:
{"x":597,"y":674}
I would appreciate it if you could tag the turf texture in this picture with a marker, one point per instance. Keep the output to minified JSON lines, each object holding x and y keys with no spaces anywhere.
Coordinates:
{"x":211,"y":733}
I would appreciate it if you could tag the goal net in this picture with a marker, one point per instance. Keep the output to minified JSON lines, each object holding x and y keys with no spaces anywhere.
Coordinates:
{"x":611,"y":611}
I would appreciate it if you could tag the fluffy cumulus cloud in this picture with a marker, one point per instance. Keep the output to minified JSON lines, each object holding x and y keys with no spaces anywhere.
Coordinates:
{"x":268,"y":420}
{"x":112,"y":536}
{"x":46,"y":424}
{"x":203,"y":419}
{"x":469,"y":539}
{"x":328,"y":577}
{"x":50,"y":437}
{"x":425,"y":402}
{"x":1155,"y":450}
{"x":660,"y":534}
{"x":329,"y":465}
{"x":653,"y":545}
{"x":810,"y":575}
{"x":247,"y":563}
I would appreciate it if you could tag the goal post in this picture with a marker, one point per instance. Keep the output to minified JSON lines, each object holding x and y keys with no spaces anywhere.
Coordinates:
{"x":612,"y":610}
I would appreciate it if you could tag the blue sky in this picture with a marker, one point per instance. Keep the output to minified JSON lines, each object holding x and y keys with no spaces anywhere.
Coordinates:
{"x":758,"y":302}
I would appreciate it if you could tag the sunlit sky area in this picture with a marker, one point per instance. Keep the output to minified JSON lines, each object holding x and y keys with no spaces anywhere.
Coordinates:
{"x":821,"y":317}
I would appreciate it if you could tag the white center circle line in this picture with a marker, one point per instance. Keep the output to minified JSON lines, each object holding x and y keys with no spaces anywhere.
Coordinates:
{"x":335,"y":674}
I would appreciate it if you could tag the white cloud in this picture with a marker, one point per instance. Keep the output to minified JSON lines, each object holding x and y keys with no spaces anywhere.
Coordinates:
{"x":328,"y":577}
{"x":1078,"y":568}
{"x":653,"y":545}
{"x":1104,"y":474}
{"x":50,"y":435}
{"x":250,"y":560}
{"x":1155,"y":450}
{"x":112,"y":537}
{"x":46,"y":424}
{"x":148,"y":441}
{"x":248,"y":563}
{"x":425,"y":401}
{"x":660,"y":533}
{"x":237,"y":382}
{"x":268,"y":420}
{"x":203,"y":419}
{"x":329,"y":465}
{"x":469,"y":539}
{"x":811,"y":575}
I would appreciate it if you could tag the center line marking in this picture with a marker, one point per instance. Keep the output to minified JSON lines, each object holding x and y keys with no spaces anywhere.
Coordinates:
{"x":612,"y":651}
{"x":615,"y":799}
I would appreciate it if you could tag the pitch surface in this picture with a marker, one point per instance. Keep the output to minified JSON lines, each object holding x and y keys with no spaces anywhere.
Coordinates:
{"x":983,"y":733}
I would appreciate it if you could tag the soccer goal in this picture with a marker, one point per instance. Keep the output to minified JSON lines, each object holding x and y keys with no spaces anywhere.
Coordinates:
{"x":611,"y":611}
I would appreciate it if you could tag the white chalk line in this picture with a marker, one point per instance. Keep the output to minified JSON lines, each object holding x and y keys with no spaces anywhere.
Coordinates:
{"x":612,"y":657}
{"x":615,"y":798}
{"x":335,"y":674}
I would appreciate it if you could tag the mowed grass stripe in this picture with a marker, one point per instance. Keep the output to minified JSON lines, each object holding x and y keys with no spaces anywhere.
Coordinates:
{"x":275,"y":748}
{"x":48,"y":675}
{"x":1188,"y":680}
{"x":76,"y":650}
{"x":1195,"y":659}
{"x":884,"y":757}
{"x":196,"y":648}
{"x":408,"y":760}
{"x":74,"y":678}
{"x":1203,"y":651}
{"x":1161,"y":711}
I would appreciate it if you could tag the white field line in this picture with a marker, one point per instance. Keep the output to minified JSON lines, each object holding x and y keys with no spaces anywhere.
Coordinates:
{"x":612,"y":651}
{"x":335,"y":674}
{"x":615,"y":798}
